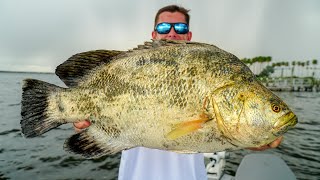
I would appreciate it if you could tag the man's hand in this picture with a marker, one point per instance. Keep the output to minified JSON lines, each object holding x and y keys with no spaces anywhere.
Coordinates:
{"x":79,"y":126}
{"x":274,"y":144}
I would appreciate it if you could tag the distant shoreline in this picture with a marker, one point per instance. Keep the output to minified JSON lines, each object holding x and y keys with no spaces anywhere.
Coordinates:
{"x":26,"y":72}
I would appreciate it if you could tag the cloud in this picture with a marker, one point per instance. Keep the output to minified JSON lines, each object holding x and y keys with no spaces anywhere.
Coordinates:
{"x":37,"y":33}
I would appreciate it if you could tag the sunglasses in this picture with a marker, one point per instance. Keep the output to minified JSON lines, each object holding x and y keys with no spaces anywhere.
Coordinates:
{"x":179,"y":28}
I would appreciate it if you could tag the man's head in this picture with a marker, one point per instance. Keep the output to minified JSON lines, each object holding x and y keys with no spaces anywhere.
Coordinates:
{"x":172,"y":14}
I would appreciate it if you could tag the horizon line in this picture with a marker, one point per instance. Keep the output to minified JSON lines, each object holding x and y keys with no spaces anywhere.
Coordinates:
{"x":13,"y":71}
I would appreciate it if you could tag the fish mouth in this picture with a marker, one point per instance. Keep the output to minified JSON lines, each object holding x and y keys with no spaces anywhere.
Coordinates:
{"x":285,"y":123}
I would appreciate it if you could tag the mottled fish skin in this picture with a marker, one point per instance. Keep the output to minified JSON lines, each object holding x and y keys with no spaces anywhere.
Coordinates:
{"x":140,"y":96}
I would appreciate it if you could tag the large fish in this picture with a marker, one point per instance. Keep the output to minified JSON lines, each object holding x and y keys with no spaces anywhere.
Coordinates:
{"x":179,"y":96}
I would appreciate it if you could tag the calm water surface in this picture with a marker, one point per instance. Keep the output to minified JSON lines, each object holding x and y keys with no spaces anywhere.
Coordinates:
{"x":44,"y":157}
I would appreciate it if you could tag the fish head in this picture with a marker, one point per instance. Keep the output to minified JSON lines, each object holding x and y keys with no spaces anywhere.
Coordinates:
{"x":253,"y":116}
{"x":265,"y":116}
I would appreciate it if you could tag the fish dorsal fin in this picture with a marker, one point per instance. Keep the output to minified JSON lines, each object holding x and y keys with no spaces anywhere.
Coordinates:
{"x":159,"y":43}
{"x":165,"y":43}
{"x":78,"y":65}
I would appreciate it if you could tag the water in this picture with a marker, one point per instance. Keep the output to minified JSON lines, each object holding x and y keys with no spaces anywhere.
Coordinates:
{"x":44,"y":157}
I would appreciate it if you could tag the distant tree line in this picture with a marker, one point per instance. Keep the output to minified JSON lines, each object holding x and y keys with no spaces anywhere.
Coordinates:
{"x":268,"y":69}
{"x":259,"y":59}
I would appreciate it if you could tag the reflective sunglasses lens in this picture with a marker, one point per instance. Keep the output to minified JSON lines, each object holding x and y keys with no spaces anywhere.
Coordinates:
{"x":181,"y":28}
{"x":163,"y":28}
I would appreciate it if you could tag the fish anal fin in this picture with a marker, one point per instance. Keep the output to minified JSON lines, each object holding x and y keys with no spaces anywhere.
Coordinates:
{"x":92,"y":144}
{"x":77,"y":66}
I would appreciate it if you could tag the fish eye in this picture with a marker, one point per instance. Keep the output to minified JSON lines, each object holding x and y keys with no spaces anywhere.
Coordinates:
{"x":275,"y":108}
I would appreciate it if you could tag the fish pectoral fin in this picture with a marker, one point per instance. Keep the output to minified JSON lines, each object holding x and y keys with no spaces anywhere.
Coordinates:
{"x":93,"y":143}
{"x":185,"y":128}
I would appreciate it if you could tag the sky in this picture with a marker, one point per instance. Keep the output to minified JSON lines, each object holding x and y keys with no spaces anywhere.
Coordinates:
{"x":38,"y":35}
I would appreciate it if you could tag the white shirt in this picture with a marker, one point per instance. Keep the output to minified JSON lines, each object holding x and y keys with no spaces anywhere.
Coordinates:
{"x":151,"y":164}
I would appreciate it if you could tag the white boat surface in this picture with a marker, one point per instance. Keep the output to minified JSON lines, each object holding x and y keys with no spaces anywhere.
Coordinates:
{"x":255,"y":166}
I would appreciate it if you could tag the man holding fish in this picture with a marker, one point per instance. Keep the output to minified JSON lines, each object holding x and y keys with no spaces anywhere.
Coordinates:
{"x":171,"y":23}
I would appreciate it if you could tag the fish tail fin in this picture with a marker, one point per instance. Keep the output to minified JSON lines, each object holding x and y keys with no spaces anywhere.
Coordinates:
{"x":34,"y":104}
